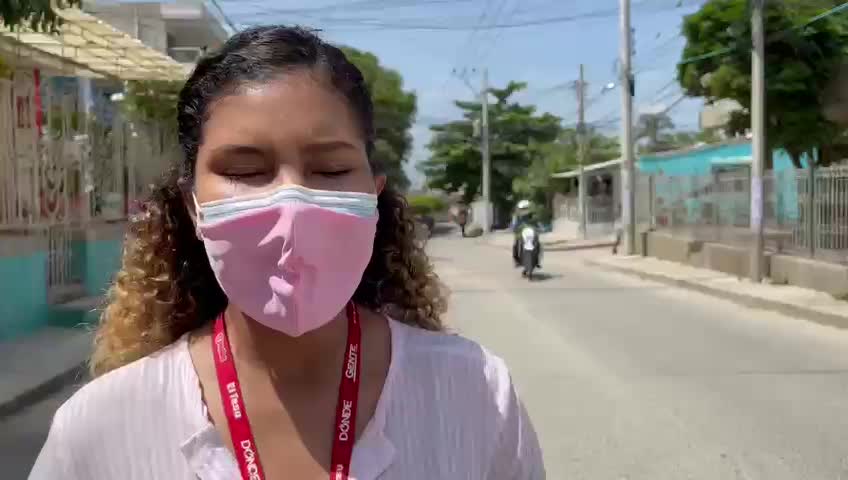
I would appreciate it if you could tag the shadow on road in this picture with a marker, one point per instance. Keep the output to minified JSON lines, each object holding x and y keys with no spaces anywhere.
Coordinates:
{"x":544,"y":276}
{"x":442,"y":229}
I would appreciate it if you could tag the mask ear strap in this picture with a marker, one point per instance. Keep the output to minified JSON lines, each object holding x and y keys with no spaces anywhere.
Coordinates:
{"x":198,"y":215}
{"x":196,"y":205}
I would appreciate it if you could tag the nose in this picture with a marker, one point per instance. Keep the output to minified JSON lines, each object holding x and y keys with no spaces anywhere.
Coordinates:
{"x":291,"y":175}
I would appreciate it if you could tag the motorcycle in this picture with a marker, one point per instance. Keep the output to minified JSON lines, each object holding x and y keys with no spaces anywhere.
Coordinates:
{"x":529,"y":251}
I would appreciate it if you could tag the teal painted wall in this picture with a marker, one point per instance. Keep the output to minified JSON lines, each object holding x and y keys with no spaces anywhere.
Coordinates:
{"x":102,"y":261}
{"x":78,"y":248}
{"x":23,"y":282}
{"x":700,"y":162}
{"x":783,"y":201}
{"x":23,"y":286}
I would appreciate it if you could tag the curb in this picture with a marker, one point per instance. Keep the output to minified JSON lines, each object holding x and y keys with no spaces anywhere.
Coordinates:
{"x":816,"y":316}
{"x":43,"y":390}
{"x":562,"y":246}
{"x":565,"y":247}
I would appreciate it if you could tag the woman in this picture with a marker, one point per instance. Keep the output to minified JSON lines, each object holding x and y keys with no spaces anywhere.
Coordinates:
{"x":246,"y":334}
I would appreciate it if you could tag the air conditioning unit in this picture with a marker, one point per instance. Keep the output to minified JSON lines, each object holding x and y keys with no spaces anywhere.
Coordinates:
{"x":186,"y":54}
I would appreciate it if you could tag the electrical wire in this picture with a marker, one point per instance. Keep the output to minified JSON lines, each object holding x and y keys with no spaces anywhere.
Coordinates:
{"x":383,"y":25}
{"x":471,"y":38}
{"x":499,"y":33}
{"x":484,"y":35}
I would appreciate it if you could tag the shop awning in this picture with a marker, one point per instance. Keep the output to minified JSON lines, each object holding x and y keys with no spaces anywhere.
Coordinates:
{"x":89,"y":47}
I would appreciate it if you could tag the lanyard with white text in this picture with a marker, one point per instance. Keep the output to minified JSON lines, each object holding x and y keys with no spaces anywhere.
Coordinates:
{"x":244,"y":444}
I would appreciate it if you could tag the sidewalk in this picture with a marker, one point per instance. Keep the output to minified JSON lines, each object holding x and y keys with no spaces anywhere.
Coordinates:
{"x":551,"y":242}
{"x":794,"y":301}
{"x":35,"y":366}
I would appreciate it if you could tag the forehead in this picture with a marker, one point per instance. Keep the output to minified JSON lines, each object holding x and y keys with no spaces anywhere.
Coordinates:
{"x":292,"y":107}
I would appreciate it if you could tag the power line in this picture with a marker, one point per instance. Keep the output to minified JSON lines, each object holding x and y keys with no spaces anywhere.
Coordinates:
{"x":223,"y":14}
{"x":469,"y":42}
{"x":481,"y":42}
{"x":499,"y":33}
{"x":380,"y":24}
{"x":356,"y":5}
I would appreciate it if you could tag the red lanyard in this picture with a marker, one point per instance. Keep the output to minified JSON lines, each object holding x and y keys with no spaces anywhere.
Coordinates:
{"x":247,"y":455}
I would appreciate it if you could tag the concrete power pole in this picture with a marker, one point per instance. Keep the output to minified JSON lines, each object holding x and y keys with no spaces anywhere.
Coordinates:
{"x":484,"y":149}
{"x":581,"y":153}
{"x":628,"y":170}
{"x":758,"y":129}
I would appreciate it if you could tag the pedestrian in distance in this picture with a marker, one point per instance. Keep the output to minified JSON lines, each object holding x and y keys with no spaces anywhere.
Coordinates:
{"x":273,"y":316}
{"x":462,"y":220}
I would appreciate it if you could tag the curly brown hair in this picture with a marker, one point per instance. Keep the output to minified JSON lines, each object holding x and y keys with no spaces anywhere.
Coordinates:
{"x":166,"y":288}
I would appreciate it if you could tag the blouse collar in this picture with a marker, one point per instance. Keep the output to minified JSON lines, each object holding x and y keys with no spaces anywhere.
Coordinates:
{"x":373,"y":453}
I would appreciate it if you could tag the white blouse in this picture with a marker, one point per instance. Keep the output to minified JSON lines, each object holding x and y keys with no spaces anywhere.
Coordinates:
{"x":448,"y":410}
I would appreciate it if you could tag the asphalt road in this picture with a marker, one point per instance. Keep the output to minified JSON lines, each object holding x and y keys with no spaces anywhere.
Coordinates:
{"x":626,"y":379}
{"x":21,"y":436}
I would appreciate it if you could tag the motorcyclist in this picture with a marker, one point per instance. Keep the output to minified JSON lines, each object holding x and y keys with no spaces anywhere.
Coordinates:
{"x":524,"y":218}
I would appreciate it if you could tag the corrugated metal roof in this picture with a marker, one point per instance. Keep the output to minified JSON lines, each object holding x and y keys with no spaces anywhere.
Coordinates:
{"x":589,"y":168}
{"x":86,"y":46}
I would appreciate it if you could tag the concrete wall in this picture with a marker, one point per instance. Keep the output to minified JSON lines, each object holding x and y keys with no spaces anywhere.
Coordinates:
{"x":723,"y":258}
{"x":804,"y":272}
{"x":673,"y":249}
{"x":782,"y":269}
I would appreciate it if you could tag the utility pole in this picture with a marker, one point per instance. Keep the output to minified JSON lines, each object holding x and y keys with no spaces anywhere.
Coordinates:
{"x":759,"y":150}
{"x":484,"y":149}
{"x":581,"y":152}
{"x":628,"y":170}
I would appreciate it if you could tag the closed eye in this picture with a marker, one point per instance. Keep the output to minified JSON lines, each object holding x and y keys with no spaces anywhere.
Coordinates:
{"x":334,"y":173}
{"x":237,"y":175}
{"x":255,"y":177}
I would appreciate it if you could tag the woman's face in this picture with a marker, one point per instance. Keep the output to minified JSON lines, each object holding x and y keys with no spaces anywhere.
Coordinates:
{"x":295,"y":130}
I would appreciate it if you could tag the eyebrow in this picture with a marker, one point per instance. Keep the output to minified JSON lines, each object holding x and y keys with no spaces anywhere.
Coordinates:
{"x":330,"y":145}
{"x":235,"y":149}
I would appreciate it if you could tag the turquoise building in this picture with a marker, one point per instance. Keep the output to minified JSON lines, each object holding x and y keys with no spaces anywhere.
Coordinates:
{"x":711,"y":184}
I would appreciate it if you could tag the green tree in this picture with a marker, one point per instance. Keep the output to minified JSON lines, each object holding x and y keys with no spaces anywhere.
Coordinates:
{"x":653,"y":127}
{"x":394,"y":113}
{"x":36,"y":14}
{"x":562,"y":155}
{"x":518,"y":136}
{"x":426,"y":204}
{"x":802,"y":59}
{"x":679,"y":140}
{"x":153,"y":101}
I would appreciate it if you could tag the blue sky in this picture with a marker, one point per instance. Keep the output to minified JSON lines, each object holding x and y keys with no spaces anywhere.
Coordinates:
{"x":458,"y":36}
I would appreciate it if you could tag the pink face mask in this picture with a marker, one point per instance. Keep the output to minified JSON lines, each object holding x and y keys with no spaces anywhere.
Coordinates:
{"x":291,"y":258}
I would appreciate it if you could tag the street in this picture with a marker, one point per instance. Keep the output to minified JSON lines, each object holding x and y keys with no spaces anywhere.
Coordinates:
{"x":626,"y":379}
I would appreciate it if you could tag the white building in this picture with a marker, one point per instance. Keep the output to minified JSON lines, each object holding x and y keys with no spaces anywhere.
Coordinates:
{"x":183,"y":29}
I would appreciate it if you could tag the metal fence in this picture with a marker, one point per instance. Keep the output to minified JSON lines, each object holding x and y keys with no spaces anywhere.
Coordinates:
{"x":802,"y":214}
{"x":599,"y":209}
{"x":601,"y":214}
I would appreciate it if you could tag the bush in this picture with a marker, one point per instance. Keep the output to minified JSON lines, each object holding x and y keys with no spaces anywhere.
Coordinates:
{"x":426,"y":204}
